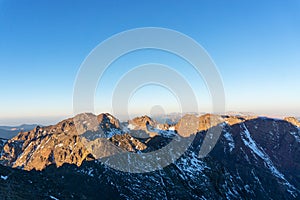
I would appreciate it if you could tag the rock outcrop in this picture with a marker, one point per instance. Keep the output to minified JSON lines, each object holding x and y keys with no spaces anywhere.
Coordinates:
{"x":292,"y":120}
{"x":255,"y":158}
{"x":70,"y":141}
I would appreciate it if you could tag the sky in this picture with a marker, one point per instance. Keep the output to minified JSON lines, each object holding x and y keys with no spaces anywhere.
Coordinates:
{"x":254,"y":44}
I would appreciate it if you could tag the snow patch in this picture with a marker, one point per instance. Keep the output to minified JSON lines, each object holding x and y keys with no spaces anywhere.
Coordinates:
{"x":247,"y":188}
{"x":131,"y":126}
{"x":125,"y":129}
{"x":167,"y":134}
{"x":4,"y":177}
{"x":52,"y":197}
{"x":296,"y":135}
{"x":230,"y":140}
{"x":60,"y":145}
{"x":245,"y":155}
{"x":88,"y":171}
{"x":113,"y":132}
{"x":172,"y":128}
{"x":257,"y":180}
{"x":191,"y":165}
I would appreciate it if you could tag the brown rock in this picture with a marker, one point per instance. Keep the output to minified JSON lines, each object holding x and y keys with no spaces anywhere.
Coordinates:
{"x":292,"y":120}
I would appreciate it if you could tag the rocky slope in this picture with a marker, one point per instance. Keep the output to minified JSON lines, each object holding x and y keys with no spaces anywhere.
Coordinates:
{"x":62,"y":143}
{"x":254,"y":158}
{"x":293,"y":121}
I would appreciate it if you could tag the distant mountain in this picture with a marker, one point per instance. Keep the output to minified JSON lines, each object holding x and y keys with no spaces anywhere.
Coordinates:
{"x":9,"y":132}
{"x":21,"y":127}
{"x":172,"y":118}
{"x":234,"y":113}
{"x":254,"y":158}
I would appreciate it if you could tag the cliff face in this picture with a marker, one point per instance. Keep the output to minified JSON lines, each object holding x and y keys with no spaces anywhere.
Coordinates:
{"x":65,"y":142}
{"x":254,"y":158}
{"x":293,"y":121}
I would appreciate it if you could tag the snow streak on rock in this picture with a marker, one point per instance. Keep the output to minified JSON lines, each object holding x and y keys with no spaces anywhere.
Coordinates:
{"x":248,"y":141}
{"x":230,"y":140}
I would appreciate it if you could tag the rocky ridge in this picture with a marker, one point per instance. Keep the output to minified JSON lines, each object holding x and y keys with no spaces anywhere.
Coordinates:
{"x":254,"y":157}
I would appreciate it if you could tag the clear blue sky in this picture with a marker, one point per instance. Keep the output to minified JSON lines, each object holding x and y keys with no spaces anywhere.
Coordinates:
{"x":255,"y":44}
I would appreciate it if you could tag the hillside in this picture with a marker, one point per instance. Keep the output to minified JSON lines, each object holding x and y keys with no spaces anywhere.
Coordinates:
{"x":254,"y":158}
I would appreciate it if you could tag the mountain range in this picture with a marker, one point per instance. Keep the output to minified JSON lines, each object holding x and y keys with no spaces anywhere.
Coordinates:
{"x":254,"y":158}
{"x":8,"y":132}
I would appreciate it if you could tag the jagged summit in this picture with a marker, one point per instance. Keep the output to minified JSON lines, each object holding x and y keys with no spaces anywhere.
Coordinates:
{"x":251,"y":154}
{"x":79,"y":138}
{"x":292,"y":120}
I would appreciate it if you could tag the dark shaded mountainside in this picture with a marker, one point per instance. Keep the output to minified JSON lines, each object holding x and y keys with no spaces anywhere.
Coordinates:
{"x":254,"y":158}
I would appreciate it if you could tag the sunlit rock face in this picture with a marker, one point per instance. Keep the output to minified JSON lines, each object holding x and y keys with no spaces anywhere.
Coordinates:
{"x":292,"y":120}
{"x":254,"y":158}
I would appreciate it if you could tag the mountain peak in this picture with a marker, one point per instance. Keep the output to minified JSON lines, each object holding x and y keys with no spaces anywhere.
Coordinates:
{"x":293,"y":121}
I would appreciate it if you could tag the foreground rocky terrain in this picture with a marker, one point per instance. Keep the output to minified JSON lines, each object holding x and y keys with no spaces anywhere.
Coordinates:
{"x":254,"y":158}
